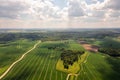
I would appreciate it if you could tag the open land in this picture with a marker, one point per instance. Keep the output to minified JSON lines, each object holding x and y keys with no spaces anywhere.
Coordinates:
{"x":62,"y":55}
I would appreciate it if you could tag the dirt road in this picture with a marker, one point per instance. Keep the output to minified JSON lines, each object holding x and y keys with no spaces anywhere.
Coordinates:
{"x":5,"y":73}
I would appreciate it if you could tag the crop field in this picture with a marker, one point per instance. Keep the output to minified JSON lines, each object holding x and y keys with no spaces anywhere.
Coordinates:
{"x":100,"y":67}
{"x":10,"y":51}
{"x":40,"y":64}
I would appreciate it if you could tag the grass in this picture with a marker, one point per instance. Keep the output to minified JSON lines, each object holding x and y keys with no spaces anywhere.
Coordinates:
{"x":11,"y":51}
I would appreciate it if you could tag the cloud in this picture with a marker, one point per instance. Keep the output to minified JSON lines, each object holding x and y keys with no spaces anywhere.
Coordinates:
{"x":75,"y":8}
{"x":45,"y":9}
{"x":113,"y":4}
{"x":12,"y":9}
{"x":50,"y":12}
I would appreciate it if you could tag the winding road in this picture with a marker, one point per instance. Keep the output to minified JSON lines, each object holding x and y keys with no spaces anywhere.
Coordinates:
{"x":12,"y":65}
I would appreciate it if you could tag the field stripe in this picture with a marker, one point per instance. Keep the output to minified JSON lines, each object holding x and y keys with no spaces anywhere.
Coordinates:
{"x":15,"y":69}
{"x":81,"y":72}
{"x":56,"y":75}
{"x":26,"y":71}
{"x":14,"y":63}
{"x":86,"y":75}
{"x":51,"y":71}
{"x":53,"y":68}
{"x":93,"y":70}
{"x":41,"y":61}
{"x":43,"y":67}
{"x":47,"y":70}
{"x":33,"y":67}
{"x":91,"y":73}
{"x":24,"y":68}
{"x":21,"y":67}
{"x":61,"y":76}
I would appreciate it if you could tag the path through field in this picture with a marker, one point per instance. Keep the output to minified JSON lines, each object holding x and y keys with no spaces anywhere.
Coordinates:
{"x":39,"y":64}
{"x":5,"y":73}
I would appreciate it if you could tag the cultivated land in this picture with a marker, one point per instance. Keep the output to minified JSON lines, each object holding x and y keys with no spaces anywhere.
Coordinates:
{"x":39,"y":64}
{"x":11,"y":51}
{"x":17,"y":61}
{"x":100,"y":61}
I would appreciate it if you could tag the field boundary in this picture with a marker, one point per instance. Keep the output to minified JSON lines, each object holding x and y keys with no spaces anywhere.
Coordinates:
{"x":81,"y":66}
{"x":5,"y":73}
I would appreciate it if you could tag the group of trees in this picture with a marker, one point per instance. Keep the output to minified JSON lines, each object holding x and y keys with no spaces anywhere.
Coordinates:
{"x":59,"y":46}
{"x":69,"y":57}
{"x":110,"y":51}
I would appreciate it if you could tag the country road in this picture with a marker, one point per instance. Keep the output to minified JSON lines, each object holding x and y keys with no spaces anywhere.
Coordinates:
{"x":11,"y":66}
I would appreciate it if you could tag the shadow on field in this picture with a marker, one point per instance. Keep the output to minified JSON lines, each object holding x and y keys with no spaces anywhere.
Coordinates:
{"x":115,"y":65}
{"x":20,"y":76}
{"x":113,"y":73}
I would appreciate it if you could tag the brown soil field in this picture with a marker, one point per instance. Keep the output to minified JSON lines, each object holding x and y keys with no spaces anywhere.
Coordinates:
{"x":89,"y":47}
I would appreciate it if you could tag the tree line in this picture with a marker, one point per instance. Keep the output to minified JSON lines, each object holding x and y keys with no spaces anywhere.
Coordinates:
{"x":110,"y":51}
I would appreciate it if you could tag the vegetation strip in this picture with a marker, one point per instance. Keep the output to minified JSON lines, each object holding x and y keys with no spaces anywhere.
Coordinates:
{"x":24,"y":69}
{"x":47,"y":70}
{"x":33,"y":68}
{"x":38,"y":68}
{"x":43,"y":67}
{"x":4,"y":74}
{"x":16,"y":70}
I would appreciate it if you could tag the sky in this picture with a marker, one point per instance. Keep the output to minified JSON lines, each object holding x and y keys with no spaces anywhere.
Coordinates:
{"x":59,"y":14}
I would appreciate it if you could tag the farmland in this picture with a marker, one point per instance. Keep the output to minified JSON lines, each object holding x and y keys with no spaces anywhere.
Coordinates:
{"x":100,"y":67}
{"x":60,"y":56}
{"x":39,"y":64}
{"x":11,"y":51}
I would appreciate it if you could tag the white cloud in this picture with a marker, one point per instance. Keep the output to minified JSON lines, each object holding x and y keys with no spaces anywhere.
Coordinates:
{"x":75,"y":8}
{"x":13,"y":9}
{"x":75,"y":11}
{"x":113,"y":4}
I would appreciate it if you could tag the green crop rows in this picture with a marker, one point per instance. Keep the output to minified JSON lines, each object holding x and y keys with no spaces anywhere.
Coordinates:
{"x":40,"y":64}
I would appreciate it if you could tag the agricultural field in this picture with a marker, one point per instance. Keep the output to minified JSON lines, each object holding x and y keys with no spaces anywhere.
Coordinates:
{"x":100,"y":67}
{"x":60,"y":56}
{"x":40,"y":64}
{"x":11,"y":51}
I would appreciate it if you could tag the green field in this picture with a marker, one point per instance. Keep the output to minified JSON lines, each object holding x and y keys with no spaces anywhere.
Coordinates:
{"x":100,"y":67}
{"x":11,"y":51}
{"x":40,"y":64}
